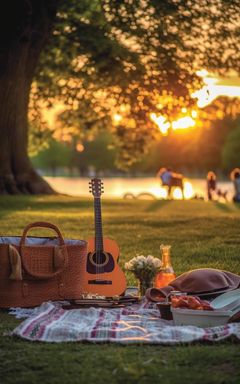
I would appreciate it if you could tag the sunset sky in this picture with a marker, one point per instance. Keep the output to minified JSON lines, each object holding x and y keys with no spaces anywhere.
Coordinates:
{"x":213,"y":88}
{"x":216,"y":86}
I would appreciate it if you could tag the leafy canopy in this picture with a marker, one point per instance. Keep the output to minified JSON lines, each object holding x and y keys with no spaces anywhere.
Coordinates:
{"x":127,"y":56}
{"x":231,"y":150}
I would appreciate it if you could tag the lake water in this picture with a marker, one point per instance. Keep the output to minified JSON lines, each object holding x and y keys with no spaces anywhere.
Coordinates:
{"x":140,"y":187}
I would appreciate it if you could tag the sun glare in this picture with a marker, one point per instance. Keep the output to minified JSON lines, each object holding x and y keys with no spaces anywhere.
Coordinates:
{"x":187,"y":189}
{"x":181,"y":123}
{"x":117,"y":117}
{"x":215,"y":87}
{"x":209,"y":93}
{"x":162,"y":192}
{"x":161,"y":123}
{"x":177,"y":194}
{"x":159,"y":192}
{"x":194,"y":114}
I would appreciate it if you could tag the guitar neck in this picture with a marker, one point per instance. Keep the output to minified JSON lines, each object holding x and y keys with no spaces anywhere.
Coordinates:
{"x":98,"y":224}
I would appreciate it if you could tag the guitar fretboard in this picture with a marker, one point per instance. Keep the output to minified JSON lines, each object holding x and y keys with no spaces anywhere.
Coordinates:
{"x":98,"y":224}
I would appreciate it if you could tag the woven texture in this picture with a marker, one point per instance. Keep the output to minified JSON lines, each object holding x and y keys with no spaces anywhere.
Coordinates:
{"x":134,"y":324}
{"x":33,"y":274}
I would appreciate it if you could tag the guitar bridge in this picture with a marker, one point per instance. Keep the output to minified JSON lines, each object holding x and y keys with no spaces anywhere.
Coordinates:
{"x":100,"y":282}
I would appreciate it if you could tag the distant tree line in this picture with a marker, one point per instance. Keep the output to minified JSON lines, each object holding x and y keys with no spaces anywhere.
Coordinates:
{"x":215,"y":146}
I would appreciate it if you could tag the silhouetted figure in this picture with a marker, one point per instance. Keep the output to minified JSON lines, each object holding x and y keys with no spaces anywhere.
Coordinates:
{"x":213,"y":192}
{"x":235,"y":176}
{"x":211,"y":184}
{"x":170,"y":179}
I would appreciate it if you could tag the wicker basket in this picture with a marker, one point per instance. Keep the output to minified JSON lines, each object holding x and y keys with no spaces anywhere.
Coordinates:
{"x":39,"y":269}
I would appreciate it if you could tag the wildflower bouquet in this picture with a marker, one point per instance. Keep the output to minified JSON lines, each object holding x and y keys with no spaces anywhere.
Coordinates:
{"x":144,"y":269}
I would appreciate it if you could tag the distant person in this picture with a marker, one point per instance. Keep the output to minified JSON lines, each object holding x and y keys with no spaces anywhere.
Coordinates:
{"x":165,"y":174}
{"x":170,"y":179}
{"x":235,"y":176}
{"x":213,"y":192}
{"x":211,"y":184}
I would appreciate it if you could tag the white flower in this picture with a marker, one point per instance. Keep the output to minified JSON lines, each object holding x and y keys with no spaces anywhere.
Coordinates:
{"x":144,"y":267}
{"x":157,"y":263}
{"x":127,"y":266}
{"x":140,"y":264}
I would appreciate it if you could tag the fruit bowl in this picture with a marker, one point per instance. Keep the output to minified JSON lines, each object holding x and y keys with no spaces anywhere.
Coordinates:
{"x":223,"y":310}
{"x":199,"y":318}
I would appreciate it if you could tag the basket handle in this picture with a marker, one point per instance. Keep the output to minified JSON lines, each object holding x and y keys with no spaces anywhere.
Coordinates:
{"x":41,"y":224}
{"x":60,"y":255}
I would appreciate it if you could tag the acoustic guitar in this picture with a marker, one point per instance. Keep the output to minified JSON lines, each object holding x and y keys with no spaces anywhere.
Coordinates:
{"x":103,"y":275}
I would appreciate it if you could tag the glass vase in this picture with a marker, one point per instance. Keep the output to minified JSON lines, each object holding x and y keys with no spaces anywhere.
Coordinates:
{"x":143,"y":285}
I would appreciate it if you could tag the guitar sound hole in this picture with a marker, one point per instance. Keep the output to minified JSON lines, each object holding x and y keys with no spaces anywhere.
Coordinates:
{"x":99,"y":262}
{"x":99,"y":259}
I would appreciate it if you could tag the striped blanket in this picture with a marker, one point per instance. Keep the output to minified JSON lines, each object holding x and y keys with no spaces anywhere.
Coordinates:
{"x":134,"y":324}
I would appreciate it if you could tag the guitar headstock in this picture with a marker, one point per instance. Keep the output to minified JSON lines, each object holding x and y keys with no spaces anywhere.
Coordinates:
{"x":96,"y":187}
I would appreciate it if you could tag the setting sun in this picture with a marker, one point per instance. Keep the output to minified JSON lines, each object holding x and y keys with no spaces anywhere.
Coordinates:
{"x":184,"y":122}
{"x":213,"y":88}
{"x":161,"y":123}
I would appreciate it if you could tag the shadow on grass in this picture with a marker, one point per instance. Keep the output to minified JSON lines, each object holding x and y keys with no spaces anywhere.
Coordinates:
{"x":157,"y":204}
{"x":223,"y":207}
{"x":236,"y":205}
{"x":62,"y":203}
{"x":59,"y":202}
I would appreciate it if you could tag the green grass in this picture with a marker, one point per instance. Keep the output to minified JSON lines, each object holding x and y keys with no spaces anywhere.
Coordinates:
{"x":201,"y":234}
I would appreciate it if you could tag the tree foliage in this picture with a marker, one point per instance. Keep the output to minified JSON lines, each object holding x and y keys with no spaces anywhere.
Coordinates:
{"x":126,"y":56}
{"x":200,"y":148}
{"x":231,"y":149}
{"x":56,"y":155}
{"x":100,"y":154}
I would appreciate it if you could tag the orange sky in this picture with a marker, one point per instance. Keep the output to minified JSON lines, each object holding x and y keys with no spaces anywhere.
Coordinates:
{"x":213,"y":88}
{"x":216,"y":86}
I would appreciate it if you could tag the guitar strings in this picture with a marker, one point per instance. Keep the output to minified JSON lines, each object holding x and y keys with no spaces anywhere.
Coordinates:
{"x":98,"y":237}
{"x":97,"y":185}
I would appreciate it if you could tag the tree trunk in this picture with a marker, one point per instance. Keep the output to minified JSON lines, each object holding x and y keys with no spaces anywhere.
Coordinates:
{"x":21,"y":42}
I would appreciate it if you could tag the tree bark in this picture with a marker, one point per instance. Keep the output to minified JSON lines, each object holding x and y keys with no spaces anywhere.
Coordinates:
{"x":29,"y":25}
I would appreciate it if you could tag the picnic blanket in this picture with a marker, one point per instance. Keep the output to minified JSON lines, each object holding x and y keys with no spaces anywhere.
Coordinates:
{"x":140,"y":323}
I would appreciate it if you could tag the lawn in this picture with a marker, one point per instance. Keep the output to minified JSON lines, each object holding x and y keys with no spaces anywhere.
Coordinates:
{"x":201,"y":234}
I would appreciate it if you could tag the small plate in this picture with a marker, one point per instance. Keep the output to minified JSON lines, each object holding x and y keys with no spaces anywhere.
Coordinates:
{"x":209,"y":294}
{"x":226,"y":299}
